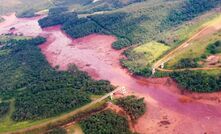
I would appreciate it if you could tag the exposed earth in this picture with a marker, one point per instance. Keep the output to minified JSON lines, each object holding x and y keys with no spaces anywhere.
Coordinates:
{"x":168,"y":110}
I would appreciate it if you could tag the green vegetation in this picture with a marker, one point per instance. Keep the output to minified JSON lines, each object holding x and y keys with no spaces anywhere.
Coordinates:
{"x":106,"y":5}
{"x":134,"y":106}
{"x":40,"y":91}
{"x":106,"y":122}
{"x":186,"y":63}
{"x":4,"y":108}
{"x":137,"y":24}
{"x":214,"y":48}
{"x":57,"y":16}
{"x":139,"y":59}
{"x":198,"y":81}
{"x":24,"y":8}
{"x":74,"y":27}
{"x":198,"y":49}
{"x":189,"y":10}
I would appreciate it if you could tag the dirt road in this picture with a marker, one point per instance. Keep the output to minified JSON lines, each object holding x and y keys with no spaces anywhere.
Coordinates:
{"x":211,"y":27}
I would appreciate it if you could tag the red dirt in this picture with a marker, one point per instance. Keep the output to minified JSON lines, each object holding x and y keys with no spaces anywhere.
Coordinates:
{"x":94,"y":55}
{"x":29,"y":27}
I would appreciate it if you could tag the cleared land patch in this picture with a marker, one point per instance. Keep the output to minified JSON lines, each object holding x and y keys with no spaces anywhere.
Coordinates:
{"x":196,"y":46}
{"x":138,"y":58}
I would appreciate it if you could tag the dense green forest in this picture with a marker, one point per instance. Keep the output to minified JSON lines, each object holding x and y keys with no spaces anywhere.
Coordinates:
{"x":74,"y":27}
{"x":134,"y":106}
{"x":39,"y":90}
{"x":106,"y":122}
{"x":57,"y":16}
{"x":4,"y":108}
{"x":130,"y":25}
{"x":198,"y":81}
{"x":190,"y":9}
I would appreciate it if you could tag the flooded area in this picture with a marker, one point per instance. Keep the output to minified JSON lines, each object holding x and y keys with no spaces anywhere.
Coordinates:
{"x":168,"y":111}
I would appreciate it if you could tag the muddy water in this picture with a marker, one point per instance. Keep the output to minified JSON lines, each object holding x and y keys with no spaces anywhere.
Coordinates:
{"x":94,"y":55}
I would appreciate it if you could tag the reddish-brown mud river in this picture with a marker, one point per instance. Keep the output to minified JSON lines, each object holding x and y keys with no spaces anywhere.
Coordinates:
{"x":94,"y":55}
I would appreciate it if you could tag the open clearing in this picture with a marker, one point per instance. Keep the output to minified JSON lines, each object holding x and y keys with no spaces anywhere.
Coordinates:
{"x":194,"y":46}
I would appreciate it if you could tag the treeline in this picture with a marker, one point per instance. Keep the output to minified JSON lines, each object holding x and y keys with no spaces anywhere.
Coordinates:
{"x":187,"y":63}
{"x":39,"y":90}
{"x":198,"y":81}
{"x":81,"y":27}
{"x":214,"y":48}
{"x":4,"y":108}
{"x":134,"y":106}
{"x":189,"y":10}
{"x":57,"y":16}
{"x":33,"y":41}
{"x":136,"y":68}
{"x":106,"y":122}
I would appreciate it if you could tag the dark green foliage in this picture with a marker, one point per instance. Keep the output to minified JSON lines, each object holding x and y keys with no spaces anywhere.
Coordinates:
{"x":134,"y":106}
{"x":146,"y":72}
{"x":190,"y":9}
{"x":115,"y":24}
{"x":105,"y":122}
{"x":34,"y":41}
{"x":58,"y":130}
{"x":39,"y":90}
{"x":82,"y":27}
{"x":99,"y":87}
{"x":138,"y":70}
{"x":187,"y":63}
{"x":4,"y":108}
{"x":214,"y":48}
{"x":198,"y":81}
{"x":57,"y":16}
{"x":121,"y":43}
{"x":48,"y":103}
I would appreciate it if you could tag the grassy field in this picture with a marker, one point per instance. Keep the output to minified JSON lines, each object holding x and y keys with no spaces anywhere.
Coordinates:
{"x":177,"y":35}
{"x":143,"y":55}
{"x":198,"y":46}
